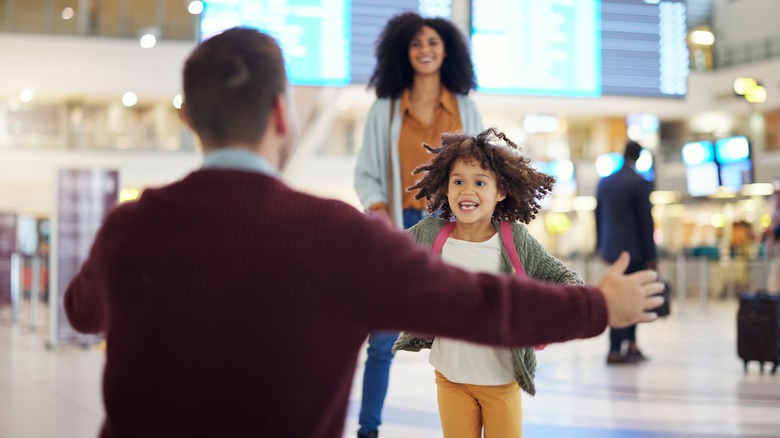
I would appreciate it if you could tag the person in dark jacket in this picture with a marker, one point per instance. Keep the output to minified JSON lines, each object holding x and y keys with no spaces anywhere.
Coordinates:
{"x":624,"y":223}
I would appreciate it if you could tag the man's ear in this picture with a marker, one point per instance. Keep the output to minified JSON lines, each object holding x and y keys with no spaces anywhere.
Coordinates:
{"x":280,"y":120}
{"x":183,"y":115}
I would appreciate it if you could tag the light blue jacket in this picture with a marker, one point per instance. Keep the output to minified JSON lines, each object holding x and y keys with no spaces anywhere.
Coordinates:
{"x":371,"y":172}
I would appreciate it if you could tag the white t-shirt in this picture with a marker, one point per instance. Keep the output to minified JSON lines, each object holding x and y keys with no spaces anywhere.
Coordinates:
{"x":466,"y":362}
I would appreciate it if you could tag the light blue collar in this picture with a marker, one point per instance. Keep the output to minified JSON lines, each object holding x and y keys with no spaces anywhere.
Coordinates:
{"x":239,"y":159}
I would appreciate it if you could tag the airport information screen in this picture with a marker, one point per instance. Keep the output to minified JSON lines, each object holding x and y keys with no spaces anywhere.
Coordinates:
{"x":325,"y":42}
{"x":314,"y":35}
{"x":582,"y":48}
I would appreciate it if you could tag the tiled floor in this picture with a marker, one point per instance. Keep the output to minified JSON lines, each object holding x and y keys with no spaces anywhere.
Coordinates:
{"x":693,"y":386}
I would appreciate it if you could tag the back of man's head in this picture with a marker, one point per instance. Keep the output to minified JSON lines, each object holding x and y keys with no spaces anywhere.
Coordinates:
{"x":633,"y":149}
{"x":230,"y":84}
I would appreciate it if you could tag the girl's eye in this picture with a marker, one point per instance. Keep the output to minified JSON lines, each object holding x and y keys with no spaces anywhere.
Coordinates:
{"x":457,"y":182}
{"x":481,"y":183}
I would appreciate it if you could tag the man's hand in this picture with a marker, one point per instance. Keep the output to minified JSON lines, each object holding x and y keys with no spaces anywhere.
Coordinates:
{"x":630,"y":297}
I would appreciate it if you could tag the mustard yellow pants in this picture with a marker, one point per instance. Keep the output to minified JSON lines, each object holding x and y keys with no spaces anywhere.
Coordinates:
{"x":465,"y":409}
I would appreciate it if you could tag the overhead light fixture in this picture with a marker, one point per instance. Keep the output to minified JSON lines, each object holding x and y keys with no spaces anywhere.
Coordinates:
{"x":757,"y":95}
{"x":129,"y":99}
{"x":149,"y":36}
{"x":702,"y":38}
{"x":743,"y":85}
{"x":68,"y":13}
{"x":177,"y":101}
{"x":26,"y":95}
{"x":195,"y":8}
{"x":750,"y":89}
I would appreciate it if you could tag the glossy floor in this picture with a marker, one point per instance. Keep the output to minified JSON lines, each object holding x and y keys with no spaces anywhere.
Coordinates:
{"x":693,"y":386}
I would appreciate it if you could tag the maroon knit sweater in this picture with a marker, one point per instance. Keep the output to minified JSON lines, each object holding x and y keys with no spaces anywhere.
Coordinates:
{"x":236,"y":306}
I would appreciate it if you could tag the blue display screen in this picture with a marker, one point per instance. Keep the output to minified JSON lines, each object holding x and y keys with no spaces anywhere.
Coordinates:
{"x":698,"y":152}
{"x":583,"y":48}
{"x":702,"y":179}
{"x":325,"y":42}
{"x":736,"y":173}
{"x":732,"y":149}
{"x":546,"y":48}
{"x":314,"y":34}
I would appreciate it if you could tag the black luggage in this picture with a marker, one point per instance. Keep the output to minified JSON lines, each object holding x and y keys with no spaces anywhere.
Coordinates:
{"x":758,"y":329}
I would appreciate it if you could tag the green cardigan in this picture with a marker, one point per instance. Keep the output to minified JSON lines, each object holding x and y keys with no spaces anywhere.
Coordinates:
{"x":537,"y":263}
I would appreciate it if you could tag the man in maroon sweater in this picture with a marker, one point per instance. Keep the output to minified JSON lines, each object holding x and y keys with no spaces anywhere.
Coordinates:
{"x":234,"y":305}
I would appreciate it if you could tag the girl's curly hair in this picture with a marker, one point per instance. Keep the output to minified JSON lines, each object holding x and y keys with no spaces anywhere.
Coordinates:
{"x":524,"y":185}
{"x":394,"y":73}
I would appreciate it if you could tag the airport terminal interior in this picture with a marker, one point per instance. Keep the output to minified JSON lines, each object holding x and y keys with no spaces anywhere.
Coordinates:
{"x":90,"y":90}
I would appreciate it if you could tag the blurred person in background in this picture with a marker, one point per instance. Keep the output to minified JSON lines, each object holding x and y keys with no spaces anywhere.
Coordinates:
{"x":771,"y":237}
{"x":422,"y":78}
{"x":624,"y":223}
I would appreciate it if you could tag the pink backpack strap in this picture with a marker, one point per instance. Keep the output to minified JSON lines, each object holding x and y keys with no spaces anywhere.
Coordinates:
{"x":442,"y":237}
{"x":506,"y":237}
{"x":509,"y":247}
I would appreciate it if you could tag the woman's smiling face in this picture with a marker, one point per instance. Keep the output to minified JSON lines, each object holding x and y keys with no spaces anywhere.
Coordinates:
{"x":426,"y":52}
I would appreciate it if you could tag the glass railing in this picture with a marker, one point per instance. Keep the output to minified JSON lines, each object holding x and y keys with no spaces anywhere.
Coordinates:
{"x":168,"y":19}
{"x":758,"y":50}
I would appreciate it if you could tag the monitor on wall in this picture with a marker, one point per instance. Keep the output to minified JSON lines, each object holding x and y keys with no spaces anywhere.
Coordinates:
{"x":325,"y":42}
{"x":736,"y":164}
{"x":701,"y":169}
{"x":583,"y":48}
{"x":702,"y":179}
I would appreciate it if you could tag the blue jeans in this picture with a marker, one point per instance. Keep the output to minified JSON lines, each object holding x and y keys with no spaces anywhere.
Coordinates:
{"x":376,"y":375}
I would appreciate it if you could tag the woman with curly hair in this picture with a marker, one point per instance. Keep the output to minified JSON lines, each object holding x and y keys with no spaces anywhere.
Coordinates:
{"x":488,"y":187}
{"x":422,"y":77}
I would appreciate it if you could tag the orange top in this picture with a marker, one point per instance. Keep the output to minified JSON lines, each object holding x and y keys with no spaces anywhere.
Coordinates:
{"x":414,"y":133}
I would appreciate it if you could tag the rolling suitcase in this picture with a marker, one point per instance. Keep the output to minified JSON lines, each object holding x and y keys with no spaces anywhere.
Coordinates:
{"x":758,"y":329}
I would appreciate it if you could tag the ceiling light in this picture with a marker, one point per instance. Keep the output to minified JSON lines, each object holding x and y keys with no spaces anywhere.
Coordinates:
{"x":129,"y":99}
{"x":148,"y":37}
{"x":702,"y":38}
{"x":26,"y":94}
{"x":195,"y":7}
{"x":743,"y":86}
{"x":756,"y":95}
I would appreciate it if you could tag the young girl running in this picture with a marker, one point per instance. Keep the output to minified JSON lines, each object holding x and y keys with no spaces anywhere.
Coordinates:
{"x":484,"y":182}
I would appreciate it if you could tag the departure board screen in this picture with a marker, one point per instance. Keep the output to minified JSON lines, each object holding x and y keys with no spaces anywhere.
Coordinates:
{"x":537,"y":47}
{"x":325,"y":42}
{"x":582,"y":48}
{"x":314,"y":34}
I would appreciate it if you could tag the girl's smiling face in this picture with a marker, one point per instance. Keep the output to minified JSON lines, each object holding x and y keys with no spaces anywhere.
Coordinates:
{"x":473,"y":192}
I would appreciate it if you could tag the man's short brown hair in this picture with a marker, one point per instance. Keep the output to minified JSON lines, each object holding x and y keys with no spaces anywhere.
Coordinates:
{"x":230,"y":84}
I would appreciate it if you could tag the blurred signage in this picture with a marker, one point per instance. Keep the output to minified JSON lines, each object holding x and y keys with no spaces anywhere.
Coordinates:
{"x":8,"y":235}
{"x":84,"y":196}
